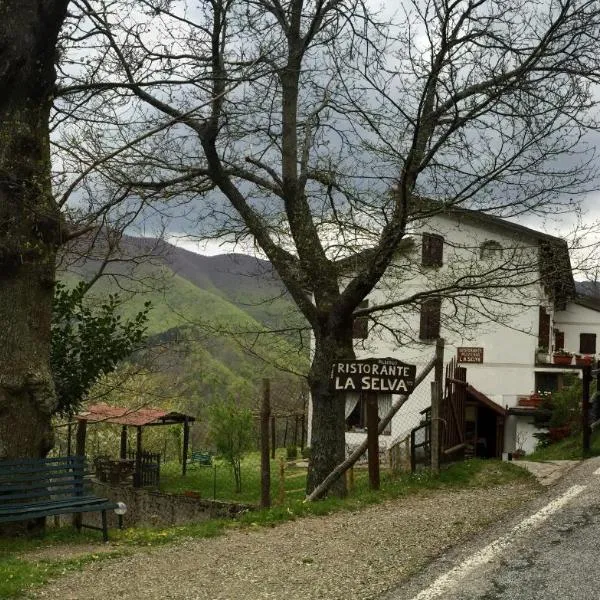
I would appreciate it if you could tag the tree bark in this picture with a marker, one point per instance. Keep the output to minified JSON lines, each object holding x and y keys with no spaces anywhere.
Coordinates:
{"x":328,"y":438}
{"x":30,"y":223}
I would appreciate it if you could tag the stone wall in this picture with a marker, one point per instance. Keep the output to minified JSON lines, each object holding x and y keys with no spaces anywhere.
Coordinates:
{"x":148,"y":507}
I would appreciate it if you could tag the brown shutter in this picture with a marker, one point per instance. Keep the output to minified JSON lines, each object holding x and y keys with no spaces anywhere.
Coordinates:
{"x":360,"y":325}
{"x":543,"y":329}
{"x":429,"y":327}
{"x":432,"y":250}
{"x":559,"y":341}
{"x":587,"y":343}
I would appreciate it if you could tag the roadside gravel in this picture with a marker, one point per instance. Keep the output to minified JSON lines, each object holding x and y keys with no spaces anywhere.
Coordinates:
{"x":346,"y":555}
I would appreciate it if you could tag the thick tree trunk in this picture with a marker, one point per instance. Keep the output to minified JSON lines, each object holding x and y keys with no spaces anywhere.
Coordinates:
{"x":30,"y":226}
{"x":328,"y":438}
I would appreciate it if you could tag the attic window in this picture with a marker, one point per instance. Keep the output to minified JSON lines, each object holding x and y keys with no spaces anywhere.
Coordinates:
{"x":360,"y":325}
{"x":433,"y":250}
{"x":490,"y":249}
{"x":429,"y":327}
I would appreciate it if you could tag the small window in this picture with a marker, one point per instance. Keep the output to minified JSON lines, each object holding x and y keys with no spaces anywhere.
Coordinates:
{"x":490,"y":249}
{"x":433,"y":250}
{"x":360,"y":325}
{"x":429,"y":328}
{"x":587,"y":343}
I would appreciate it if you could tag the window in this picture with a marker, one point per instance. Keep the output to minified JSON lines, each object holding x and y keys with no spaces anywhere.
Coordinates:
{"x":490,"y":249}
{"x":429,"y":328}
{"x":587,"y":343}
{"x":356,"y":411}
{"x":360,"y":325}
{"x":433,"y":250}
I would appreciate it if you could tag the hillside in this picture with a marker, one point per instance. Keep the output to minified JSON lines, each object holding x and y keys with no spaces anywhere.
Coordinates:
{"x":209,"y":325}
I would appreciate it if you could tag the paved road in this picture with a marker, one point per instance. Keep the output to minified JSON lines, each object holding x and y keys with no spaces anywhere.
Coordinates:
{"x":551,"y":550}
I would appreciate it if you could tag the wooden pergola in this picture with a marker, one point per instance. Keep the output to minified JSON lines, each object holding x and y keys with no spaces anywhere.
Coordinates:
{"x":131,"y":417}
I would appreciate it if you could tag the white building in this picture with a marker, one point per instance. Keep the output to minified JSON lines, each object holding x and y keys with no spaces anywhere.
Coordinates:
{"x":501,"y":291}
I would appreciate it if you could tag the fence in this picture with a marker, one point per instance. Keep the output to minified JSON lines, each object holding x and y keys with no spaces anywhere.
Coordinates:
{"x":148,"y":473}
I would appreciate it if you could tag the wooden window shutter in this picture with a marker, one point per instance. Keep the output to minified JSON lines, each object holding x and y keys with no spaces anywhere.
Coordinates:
{"x":587,"y":343}
{"x":360,"y":325}
{"x":429,"y":327}
{"x":433,"y":250}
{"x":559,"y":341}
{"x":543,"y":328}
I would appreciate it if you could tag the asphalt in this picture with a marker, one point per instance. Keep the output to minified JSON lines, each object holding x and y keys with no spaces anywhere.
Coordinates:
{"x":550,"y":549}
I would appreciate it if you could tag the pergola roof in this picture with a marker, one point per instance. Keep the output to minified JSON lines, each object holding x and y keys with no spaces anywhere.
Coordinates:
{"x":135,"y":417}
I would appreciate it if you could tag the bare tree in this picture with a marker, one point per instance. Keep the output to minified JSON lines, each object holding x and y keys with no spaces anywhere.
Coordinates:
{"x":319,"y":125}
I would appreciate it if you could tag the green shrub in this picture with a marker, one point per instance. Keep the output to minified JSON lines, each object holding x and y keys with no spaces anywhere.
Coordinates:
{"x":306,"y":452}
{"x":291,"y":452}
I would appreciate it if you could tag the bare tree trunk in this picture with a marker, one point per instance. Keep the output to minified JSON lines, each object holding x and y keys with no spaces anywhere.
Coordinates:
{"x":328,"y":438}
{"x":30,"y":224}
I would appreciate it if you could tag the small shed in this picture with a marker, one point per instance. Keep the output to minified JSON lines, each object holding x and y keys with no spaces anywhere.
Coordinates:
{"x":132,"y":417}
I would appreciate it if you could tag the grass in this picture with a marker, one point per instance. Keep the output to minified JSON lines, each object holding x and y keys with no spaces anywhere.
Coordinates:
{"x":18,"y":574}
{"x":568,"y":449}
{"x":201,"y":479}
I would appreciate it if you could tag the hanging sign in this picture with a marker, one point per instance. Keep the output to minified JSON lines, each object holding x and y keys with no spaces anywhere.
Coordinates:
{"x":379,"y":375}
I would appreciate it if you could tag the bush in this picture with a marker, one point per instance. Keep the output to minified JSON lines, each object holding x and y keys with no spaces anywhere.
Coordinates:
{"x":306,"y":452}
{"x":291,"y":453}
{"x":566,"y":406}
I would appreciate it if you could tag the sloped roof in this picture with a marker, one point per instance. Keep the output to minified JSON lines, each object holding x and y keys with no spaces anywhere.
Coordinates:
{"x":135,"y":417}
{"x":481,"y":397}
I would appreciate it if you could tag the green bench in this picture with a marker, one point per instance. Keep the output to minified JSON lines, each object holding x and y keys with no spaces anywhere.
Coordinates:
{"x":32,"y":488}
{"x":201,"y":457}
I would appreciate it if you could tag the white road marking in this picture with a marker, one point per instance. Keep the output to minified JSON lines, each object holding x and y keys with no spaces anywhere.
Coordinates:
{"x":597,"y":472}
{"x":445,"y":582}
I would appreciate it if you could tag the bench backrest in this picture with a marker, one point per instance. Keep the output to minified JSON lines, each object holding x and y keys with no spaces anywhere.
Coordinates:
{"x":31,"y":480}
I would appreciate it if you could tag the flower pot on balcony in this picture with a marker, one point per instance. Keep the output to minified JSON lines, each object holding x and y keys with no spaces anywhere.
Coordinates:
{"x":562,"y":359}
{"x":582,"y":361}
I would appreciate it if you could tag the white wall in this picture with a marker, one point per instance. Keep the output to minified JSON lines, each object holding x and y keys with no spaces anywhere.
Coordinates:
{"x":577,"y":319}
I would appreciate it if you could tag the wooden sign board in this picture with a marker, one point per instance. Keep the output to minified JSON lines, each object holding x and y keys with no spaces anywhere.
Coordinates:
{"x":469,"y":355}
{"x":376,"y":375}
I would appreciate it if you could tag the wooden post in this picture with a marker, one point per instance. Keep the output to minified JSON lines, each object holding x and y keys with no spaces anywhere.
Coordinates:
{"x":296,"y":429}
{"x":585,"y":408}
{"x":373,"y":439}
{"x":281,"y":480}
{"x":437,"y":391}
{"x":124,"y":442}
{"x":265,"y":462}
{"x":80,"y":438}
{"x":273,"y":440}
{"x":137,"y":479}
{"x":186,"y":443}
{"x":80,"y":451}
{"x":69,"y":436}
{"x":302,"y":430}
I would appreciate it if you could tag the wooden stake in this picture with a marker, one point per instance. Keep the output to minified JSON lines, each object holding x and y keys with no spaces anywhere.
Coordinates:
{"x":281,"y":480}
{"x":265,"y":462}
{"x":373,"y":440}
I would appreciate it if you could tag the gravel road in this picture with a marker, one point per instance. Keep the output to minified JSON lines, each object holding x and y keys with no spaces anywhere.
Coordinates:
{"x":346,"y":555}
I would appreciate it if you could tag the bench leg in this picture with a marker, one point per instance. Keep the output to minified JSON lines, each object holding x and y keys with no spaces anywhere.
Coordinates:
{"x":104,"y":527}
